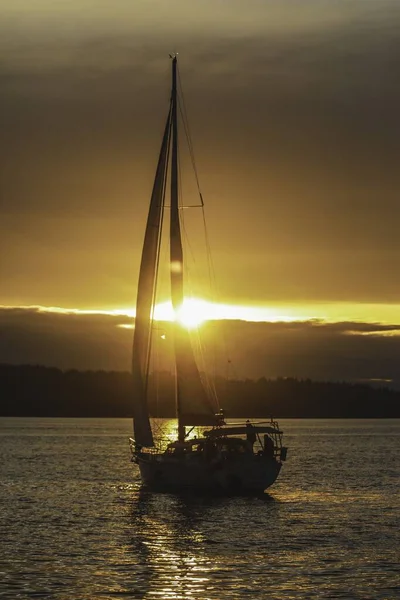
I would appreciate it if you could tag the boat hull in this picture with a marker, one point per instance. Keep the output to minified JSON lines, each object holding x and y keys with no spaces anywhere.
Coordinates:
{"x":254,"y":474}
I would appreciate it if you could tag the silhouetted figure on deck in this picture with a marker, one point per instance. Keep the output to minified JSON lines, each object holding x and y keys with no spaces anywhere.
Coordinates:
{"x":250,"y":435}
{"x":268,"y":446}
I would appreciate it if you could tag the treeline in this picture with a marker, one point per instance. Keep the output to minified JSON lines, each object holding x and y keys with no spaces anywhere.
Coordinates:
{"x":28,"y":390}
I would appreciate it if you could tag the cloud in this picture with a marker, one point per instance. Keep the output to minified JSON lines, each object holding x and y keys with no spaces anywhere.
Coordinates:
{"x":314,"y":349}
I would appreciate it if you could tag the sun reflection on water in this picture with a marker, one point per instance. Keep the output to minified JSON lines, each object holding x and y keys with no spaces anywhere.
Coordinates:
{"x":164,"y":528}
{"x":166,"y":430}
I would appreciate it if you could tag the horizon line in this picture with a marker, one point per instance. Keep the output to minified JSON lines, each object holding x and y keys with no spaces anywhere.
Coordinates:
{"x":196,"y":311}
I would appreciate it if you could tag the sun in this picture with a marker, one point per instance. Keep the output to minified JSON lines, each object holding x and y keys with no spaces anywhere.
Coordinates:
{"x":191,"y":314}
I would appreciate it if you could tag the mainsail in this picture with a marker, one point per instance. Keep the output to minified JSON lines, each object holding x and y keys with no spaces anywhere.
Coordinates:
{"x":145,"y":297}
{"x":193,"y":405}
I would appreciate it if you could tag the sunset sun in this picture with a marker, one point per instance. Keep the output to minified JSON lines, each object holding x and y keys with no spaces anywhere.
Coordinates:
{"x":191,"y":314}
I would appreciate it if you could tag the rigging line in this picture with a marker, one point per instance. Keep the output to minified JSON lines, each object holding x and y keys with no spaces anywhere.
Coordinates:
{"x":200,"y":348}
{"x":214,"y":285}
{"x":213,"y":282}
{"x":207,"y":381}
{"x":183,"y":111}
{"x":190,"y":147}
{"x":160,"y":427}
{"x":209,"y":385}
{"x":186,"y":240}
{"x":211,"y":270}
{"x":210,"y":265}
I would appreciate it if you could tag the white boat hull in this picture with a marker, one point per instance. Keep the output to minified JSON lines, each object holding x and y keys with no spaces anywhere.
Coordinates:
{"x":250,"y":474}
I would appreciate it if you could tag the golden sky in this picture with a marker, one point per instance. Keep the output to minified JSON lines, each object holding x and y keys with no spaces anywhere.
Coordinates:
{"x":293,"y":109}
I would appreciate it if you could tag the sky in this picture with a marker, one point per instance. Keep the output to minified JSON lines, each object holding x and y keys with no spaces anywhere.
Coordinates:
{"x":293,"y":111}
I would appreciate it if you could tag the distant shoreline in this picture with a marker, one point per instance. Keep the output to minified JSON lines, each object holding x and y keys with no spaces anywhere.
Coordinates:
{"x":38,"y":391}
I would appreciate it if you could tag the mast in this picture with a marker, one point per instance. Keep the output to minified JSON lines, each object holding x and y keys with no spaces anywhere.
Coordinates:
{"x":176,"y":252}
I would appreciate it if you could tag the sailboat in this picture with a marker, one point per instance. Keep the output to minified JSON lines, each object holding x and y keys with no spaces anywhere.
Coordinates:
{"x":226,"y":457}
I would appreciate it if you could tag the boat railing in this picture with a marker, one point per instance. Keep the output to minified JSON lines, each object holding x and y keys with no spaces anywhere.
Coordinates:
{"x":278,"y":451}
{"x":274,"y":447}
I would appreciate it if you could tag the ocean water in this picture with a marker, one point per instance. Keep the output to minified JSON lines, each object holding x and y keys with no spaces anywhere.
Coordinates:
{"x":75,"y":523}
